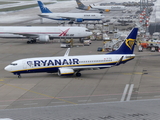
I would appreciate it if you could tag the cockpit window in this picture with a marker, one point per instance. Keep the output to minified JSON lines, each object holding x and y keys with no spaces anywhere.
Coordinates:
{"x":87,"y":30}
{"x":14,"y":64}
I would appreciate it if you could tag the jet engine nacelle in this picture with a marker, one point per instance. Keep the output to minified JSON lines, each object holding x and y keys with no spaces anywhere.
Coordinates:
{"x":65,"y":71}
{"x":107,"y":10}
{"x":79,"y":20}
{"x":43,"y":38}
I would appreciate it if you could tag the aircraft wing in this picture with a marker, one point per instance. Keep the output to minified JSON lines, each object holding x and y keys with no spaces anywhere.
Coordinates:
{"x":26,"y":34}
{"x":71,"y":18}
{"x":77,"y":68}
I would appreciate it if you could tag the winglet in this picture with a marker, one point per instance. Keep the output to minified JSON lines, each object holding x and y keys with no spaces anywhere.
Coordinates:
{"x":43,"y":8}
{"x":67,"y":52}
{"x":127,"y":46}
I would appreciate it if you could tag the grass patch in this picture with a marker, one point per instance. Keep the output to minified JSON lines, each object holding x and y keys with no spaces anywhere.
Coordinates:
{"x":22,"y":7}
{"x":3,"y":3}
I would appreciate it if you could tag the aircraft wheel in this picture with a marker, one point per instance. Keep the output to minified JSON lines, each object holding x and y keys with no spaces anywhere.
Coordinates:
{"x":78,"y":74}
{"x":33,"y":41}
{"x":28,"y":42}
{"x":19,"y":76}
{"x":81,"y":40}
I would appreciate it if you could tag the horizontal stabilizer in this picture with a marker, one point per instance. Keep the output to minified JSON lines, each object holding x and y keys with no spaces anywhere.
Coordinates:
{"x":119,"y":61}
{"x":90,"y":6}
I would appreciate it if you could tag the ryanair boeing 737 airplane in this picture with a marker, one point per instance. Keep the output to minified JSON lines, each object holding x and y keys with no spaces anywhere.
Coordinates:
{"x":69,"y":65}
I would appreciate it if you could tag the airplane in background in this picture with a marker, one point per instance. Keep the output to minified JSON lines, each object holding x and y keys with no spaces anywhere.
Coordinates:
{"x":71,"y":17}
{"x":69,"y":65}
{"x":43,"y":33}
{"x":100,"y":8}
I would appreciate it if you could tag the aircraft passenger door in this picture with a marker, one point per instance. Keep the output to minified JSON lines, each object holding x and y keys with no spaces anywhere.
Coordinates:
{"x":117,"y":58}
{"x":27,"y":64}
{"x":24,"y":64}
{"x":79,"y":34}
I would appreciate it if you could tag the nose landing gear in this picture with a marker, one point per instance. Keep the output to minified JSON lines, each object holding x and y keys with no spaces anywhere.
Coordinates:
{"x":19,"y":76}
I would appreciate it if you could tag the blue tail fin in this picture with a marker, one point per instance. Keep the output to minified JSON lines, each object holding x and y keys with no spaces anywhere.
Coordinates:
{"x":43,"y":8}
{"x":127,"y":46}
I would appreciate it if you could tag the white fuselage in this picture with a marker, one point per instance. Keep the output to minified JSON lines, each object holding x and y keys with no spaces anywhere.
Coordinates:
{"x":110,"y":8}
{"x":52,"y":64}
{"x":73,"y":16}
{"x":36,"y":31}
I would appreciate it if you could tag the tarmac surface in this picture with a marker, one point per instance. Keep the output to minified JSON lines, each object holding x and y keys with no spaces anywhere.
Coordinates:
{"x":135,"y":80}
{"x":98,"y":94}
{"x":123,"y":92}
{"x":135,"y":110}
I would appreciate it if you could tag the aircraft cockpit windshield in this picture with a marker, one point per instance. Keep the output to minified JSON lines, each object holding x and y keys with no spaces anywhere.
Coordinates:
{"x":88,"y":31}
{"x":13,"y":64}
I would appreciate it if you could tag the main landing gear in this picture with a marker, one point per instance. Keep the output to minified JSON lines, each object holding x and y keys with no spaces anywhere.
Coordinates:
{"x":78,"y":74}
{"x":31,"y":41}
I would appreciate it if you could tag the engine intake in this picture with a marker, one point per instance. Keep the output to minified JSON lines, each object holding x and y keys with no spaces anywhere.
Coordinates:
{"x":79,"y":20}
{"x":43,"y":38}
{"x":65,"y":71}
{"x":107,"y":10}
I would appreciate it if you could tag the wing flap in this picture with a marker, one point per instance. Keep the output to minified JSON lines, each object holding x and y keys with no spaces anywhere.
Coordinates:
{"x":71,"y":18}
{"x":90,"y":67}
{"x":27,"y":35}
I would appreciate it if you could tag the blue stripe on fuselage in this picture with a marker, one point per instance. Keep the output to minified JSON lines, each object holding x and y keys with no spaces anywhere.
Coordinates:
{"x":65,"y":19}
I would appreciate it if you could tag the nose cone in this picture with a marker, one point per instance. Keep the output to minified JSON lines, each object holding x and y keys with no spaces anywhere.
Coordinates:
{"x":7,"y":68}
{"x":91,"y":33}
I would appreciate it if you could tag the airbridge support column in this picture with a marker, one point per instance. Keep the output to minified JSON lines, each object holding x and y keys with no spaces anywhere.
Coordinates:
{"x":71,"y":42}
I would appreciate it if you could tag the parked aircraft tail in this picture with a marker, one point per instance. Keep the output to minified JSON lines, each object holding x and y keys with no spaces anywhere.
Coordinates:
{"x":82,"y":6}
{"x":43,"y":8}
{"x":127,"y":46}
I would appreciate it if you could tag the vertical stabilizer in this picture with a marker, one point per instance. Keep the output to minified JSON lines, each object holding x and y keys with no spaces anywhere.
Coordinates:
{"x":80,"y":4}
{"x":127,"y":46}
{"x":43,"y":8}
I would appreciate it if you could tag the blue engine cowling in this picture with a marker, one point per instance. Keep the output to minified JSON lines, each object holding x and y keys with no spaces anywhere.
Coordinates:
{"x":79,"y":20}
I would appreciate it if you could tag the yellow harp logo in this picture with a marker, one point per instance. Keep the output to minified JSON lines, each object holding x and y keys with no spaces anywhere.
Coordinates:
{"x":130,"y":43}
